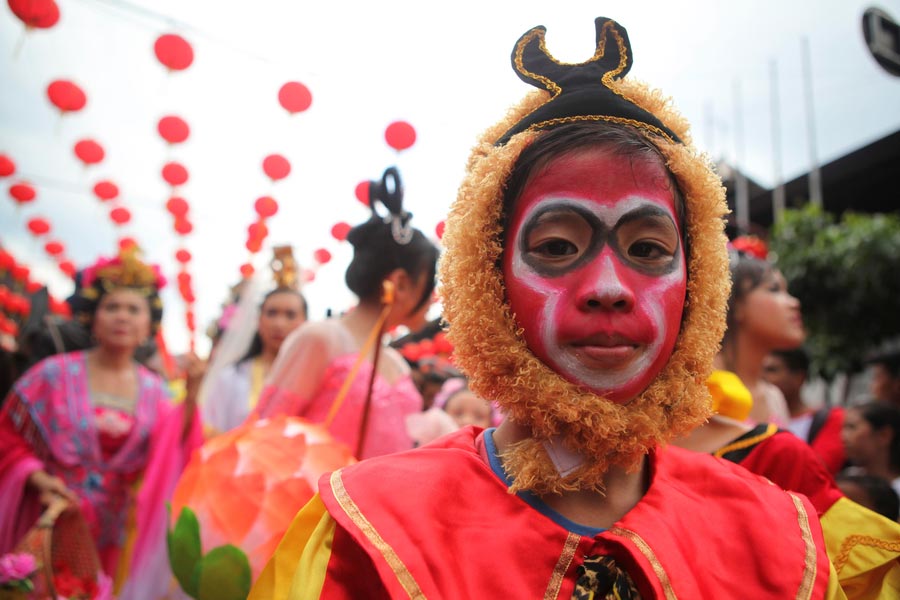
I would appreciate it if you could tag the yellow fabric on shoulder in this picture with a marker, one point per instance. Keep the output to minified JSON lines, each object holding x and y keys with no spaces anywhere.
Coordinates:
{"x":865,"y":550}
{"x":834,"y":591}
{"x":297,"y":569}
{"x":730,"y":397}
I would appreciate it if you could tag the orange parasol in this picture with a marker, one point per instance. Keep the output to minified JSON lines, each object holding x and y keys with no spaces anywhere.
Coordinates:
{"x":246,"y":485}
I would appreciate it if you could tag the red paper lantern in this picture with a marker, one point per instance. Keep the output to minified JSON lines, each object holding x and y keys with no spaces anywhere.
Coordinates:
{"x":59,"y":307}
{"x":183,"y":256}
{"x":247,"y":270}
{"x":173,"y":129}
{"x":322,"y":256}
{"x":38,"y":226}
{"x":174,"y":52}
{"x":120,"y":215}
{"x":400,"y":135}
{"x":33,"y":286}
{"x":362,"y":192}
{"x":182,"y":226}
{"x":6,"y":261}
{"x":309,"y":276}
{"x":127,"y":242}
{"x":184,"y":279}
{"x":265,"y":207}
{"x":22,"y":192}
{"x":257,"y":231}
{"x":106,"y":190}
{"x":39,"y":14}
{"x":66,"y":95}
{"x":340,"y":231}
{"x":189,"y":320}
{"x":67,"y":267}
{"x":89,"y":152}
{"x":177,"y":207}
{"x":8,"y":327}
{"x":276,"y":167}
{"x":19,"y":272}
{"x":7,"y":166}
{"x":175,"y":174}
{"x":254,"y":245}
{"x":439,"y":230}
{"x":294,"y":97}
{"x":54,"y":248}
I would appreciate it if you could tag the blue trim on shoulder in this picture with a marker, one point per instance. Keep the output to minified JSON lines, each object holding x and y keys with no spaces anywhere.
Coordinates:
{"x":530,"y":498}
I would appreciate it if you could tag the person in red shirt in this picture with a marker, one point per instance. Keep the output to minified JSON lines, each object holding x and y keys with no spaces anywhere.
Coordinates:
{"x":584,"y":280}
{"x":820,"y":428}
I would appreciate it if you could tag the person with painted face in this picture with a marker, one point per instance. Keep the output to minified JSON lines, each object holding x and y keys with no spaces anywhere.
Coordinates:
{"x":584,"y":280}
{"x":96,"y":429}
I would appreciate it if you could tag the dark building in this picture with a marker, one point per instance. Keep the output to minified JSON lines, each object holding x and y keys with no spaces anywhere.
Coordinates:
{"x":865,"y":180}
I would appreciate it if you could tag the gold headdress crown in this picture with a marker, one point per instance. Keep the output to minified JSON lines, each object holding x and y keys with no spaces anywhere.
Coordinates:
{"x":284,"y":267}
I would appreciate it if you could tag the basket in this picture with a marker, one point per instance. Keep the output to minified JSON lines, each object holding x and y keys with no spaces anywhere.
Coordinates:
{"x":61,"y":542}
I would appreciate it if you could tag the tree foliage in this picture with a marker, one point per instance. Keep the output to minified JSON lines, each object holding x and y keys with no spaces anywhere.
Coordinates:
{"x":846,"y":274}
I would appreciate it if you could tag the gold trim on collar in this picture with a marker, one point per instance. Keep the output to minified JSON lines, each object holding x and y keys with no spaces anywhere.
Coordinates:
{"x":645,"y":549}
{"x":809,"y":558}
{"x":562,"y":565}
{"x":771,"y":430}
{"x":390,"y":556}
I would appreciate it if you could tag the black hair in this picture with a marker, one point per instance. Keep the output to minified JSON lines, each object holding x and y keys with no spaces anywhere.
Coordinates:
{"x":889,"y":359}
{"x":256,"y":345}
{"x":882,"y":495}
{"x":565,"y":139}
{"x":880,"y":415}
{"x":747,"y":273}
{"x":796,"y":359}
{"x":383,"y":244}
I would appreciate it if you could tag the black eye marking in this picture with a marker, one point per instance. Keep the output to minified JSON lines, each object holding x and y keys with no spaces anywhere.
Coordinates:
{"x":601,"y":235}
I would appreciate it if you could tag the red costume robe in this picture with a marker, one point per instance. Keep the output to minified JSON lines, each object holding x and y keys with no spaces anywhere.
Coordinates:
{"x":864,"y":546}
{"x":437,"y":522}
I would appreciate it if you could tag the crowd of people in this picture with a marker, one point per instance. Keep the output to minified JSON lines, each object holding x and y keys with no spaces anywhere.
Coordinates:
{"x":625,"y":387}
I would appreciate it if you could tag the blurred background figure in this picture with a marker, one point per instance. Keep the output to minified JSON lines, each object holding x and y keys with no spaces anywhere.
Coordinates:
{"x":874,"y":493}
{"x":464,"y":406}
{"x":884,"y":384}
{"x":234,"y":387}
{"x":788,"y":371}
{"x":339,"y":372}
{"x":762,"y":317}
{"x":871,"y":437}
{"x":455,"y":406}
{"x":96,"y":428}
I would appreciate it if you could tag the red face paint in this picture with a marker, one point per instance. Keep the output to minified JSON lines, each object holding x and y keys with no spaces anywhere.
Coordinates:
{"x":595,"y":270}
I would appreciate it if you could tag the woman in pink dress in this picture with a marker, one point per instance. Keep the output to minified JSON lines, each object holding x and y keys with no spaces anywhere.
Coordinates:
{"x":90,"y":426}
{"x":337,"y":371}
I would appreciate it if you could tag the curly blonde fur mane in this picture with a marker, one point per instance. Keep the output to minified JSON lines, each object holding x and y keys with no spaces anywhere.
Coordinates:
{"x":491,"y":350}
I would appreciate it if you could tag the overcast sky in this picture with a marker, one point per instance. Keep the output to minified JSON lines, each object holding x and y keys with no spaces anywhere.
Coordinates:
{"x":444,"y":68}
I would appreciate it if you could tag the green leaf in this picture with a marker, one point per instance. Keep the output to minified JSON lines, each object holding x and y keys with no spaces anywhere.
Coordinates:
{"x":844,"y":272}
{"x":184,"y":549}
{"x":223,"y":574}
